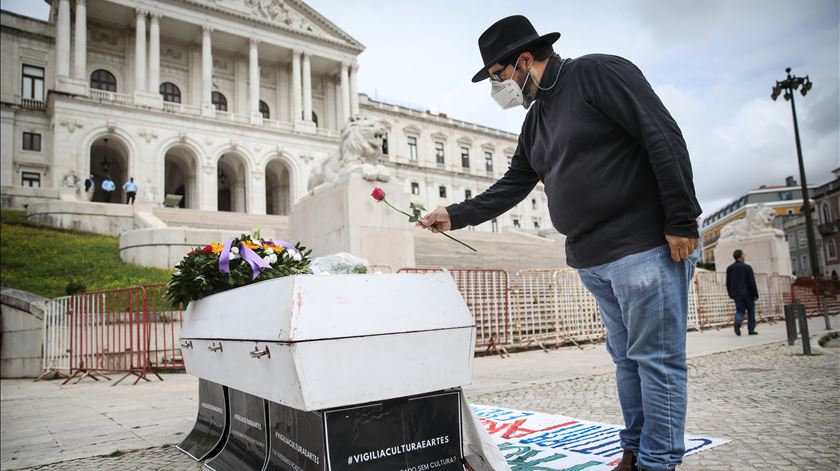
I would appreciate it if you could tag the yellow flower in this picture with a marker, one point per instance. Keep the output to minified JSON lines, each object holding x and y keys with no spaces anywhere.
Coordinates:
{"x":217,"y":247}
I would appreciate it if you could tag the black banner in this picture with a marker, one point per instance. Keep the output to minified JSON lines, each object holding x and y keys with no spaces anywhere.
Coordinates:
{"x":246,"y":447}
{"x":411,"y":434}
{"x":296,"y":439}
{"x":207,"y":436}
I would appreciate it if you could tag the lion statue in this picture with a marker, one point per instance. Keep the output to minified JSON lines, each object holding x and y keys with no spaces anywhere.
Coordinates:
{"x":359,"y":151}
{"x":759,"y":220}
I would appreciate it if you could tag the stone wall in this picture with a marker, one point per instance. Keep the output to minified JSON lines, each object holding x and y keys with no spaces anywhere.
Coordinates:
{"x":21,"y":333}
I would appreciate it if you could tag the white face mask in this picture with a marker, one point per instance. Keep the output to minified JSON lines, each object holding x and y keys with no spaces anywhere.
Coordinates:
{"x":508,"y":93}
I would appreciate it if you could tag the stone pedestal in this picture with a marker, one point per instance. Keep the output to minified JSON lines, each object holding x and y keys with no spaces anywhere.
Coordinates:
{"x":766,"y":253}
{"x":343,"y":217}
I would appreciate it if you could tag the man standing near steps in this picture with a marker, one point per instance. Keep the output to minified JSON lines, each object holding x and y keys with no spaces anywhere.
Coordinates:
{"x":619,"y":185}
{"x":740,"y":285}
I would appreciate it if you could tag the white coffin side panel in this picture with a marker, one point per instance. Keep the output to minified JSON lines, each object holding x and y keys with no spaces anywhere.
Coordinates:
{"x":272,"y":378}
{"x":311,"y":307}
{"x":365,"y":369}
{"x":340,"y":372}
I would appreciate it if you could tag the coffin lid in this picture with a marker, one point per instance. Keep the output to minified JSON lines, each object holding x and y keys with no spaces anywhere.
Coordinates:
{"x":314,"y":307}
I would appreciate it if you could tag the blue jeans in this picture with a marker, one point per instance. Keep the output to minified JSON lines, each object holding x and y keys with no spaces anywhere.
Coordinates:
{"x":643,"y":299}
{"x":743,"y":306}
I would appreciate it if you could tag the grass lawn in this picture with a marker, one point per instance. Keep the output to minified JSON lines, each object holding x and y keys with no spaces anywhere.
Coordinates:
{"x":43,"y":260}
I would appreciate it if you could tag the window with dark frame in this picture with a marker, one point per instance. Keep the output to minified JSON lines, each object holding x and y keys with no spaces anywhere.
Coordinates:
{"x":536,"y":224}
{"x":415,"y":188}
{"x":516,"y":224}
{"x":219,"y":101}
{"x":465,"y":157}
{"x":467,"y":194}
{"x":30,"y":179}
{"x":442,"y":191}
{"x":488,"y":161}
{"x":32,"y":85}
{"x":494,"y":225}
{"x":412,"y":148}
{"x":533,"y":203}
{"x":170,"y":92}
{"x":439,"y":152}
{"x":385,"y":144}
{"x":264,"y":111}
{"x":101,"y":79}
{"x":32,"y":141}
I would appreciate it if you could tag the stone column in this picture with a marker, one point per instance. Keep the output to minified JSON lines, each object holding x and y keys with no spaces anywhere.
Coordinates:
{"x":354,"y":91}
{"x":296,"y":85}
{"x":207,"y":108}
{"x":307,"y":88}
{"x":80,"y":53}
{"x":345,"y":95}
{"x":254,"y":81}
{"x":140,"y":52}
{"x":154,"y":54}
{"x":62,"y":40}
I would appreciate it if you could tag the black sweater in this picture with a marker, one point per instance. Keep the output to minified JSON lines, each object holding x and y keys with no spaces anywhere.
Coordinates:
{"x":613,"y":160}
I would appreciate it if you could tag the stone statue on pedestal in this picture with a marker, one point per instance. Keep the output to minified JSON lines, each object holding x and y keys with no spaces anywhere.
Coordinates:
{"x":359,"y":151}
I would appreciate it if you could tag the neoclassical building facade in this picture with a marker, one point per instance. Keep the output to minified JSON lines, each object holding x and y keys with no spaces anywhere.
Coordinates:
{"x":226,"y":103}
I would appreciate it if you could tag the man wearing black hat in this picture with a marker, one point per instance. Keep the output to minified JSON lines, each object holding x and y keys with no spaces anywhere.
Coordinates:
{"x":619,"y":185}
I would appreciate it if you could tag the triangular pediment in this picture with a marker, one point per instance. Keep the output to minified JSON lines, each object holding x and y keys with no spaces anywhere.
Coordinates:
{"x":292,"y":15}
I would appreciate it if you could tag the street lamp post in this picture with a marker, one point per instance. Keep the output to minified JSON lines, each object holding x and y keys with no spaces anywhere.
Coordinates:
{"x":788,"y":85}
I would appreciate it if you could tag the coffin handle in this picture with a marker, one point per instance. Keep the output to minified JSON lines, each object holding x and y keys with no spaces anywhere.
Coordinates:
{"x":215,"y":348}
{"x":258,"y":354}
{"x":186,"y":344}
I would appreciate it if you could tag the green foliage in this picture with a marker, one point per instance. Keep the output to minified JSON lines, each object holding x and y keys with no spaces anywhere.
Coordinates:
{"x":44,"y":260}
{"x":198,"y":275}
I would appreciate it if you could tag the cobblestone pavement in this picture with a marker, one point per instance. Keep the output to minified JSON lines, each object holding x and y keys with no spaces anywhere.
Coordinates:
{"x":781,"y":410}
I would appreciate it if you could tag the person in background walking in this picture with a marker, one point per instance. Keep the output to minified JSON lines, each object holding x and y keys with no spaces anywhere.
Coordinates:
{"x":131,"y":190}
{"x":90,"y":187}
{"x":108,"y":187}
{"x":740,"y":284}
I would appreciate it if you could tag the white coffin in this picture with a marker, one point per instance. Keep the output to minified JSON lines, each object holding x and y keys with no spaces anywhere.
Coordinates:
{"x":333,"y":340}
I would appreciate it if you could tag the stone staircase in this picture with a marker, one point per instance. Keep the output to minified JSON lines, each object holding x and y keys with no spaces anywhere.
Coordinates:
{"x":509,"y":251}
{"x":174,"y":217}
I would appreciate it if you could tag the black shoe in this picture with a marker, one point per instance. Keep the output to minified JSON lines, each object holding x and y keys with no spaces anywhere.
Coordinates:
{"x":753,"y":333}
{"x":738,"y":330}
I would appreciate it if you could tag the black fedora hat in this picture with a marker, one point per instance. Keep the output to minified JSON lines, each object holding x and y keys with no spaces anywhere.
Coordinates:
{"x":505,"y":37}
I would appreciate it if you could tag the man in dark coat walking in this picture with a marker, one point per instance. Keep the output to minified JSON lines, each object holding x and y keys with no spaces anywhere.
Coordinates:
{"x":740,"y":284}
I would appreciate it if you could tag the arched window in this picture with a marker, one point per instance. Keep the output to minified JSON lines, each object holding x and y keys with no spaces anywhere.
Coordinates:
{"x":219,"y":101}
{"x":831,"y":248}
{"x":264,"y":111}
{"x":825,"y":212}
{"x":170,"y":92}
{"x":103,"y":80}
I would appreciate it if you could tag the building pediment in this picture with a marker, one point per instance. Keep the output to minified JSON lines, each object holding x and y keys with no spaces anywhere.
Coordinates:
{"x":292,"y":15}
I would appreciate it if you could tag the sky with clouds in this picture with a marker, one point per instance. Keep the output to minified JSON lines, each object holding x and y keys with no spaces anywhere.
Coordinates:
{"x":713,"y":63}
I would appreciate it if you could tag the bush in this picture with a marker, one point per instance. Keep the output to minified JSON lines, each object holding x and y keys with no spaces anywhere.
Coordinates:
{"x":74,"y":287}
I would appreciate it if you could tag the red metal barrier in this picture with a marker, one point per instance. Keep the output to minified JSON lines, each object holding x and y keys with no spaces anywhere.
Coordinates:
{"x":164,"y":327}
{"x":486,"y":293}
{"x":130,"y":330}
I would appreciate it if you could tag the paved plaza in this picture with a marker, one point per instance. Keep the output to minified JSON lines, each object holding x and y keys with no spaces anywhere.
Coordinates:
{"x":780,"y":409}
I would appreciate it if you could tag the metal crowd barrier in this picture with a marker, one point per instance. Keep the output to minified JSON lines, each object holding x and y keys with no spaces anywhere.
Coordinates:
{"x":552,"y":307}
{"x":486,"y":295}
{"x":128,"y":330}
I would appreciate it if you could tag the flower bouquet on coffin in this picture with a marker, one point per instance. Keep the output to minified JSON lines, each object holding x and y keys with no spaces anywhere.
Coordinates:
{"x":240,"y":261}
{"x":379,"y":195}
